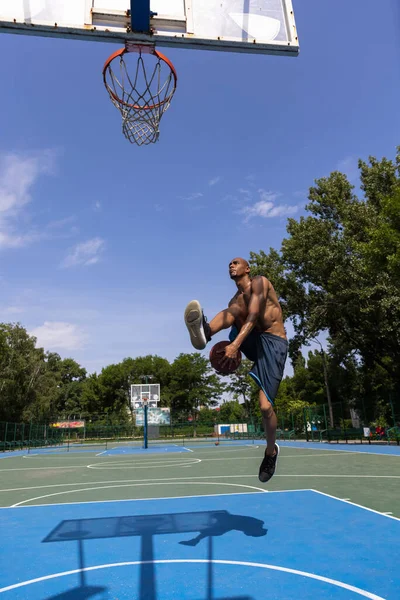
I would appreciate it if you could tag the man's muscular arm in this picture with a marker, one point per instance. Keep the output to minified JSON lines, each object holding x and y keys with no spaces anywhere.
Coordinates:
{"x":256,"y":305}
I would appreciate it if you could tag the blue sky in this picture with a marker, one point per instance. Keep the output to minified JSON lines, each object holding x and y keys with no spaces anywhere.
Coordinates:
{"x":102,"y":243}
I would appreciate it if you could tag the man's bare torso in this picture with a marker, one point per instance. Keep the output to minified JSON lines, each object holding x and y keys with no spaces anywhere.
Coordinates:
{"x":270,"y":319}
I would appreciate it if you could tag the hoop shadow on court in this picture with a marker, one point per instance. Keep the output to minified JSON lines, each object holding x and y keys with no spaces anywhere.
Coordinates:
{"x":206,"y":526}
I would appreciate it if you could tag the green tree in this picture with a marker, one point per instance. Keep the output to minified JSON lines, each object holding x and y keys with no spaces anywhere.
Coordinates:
{"x":240,"y":386}
{"x":20,"y":366}
{"x":338,"y":271}
{"x":193,"y":385}
{"x":232,"y":412}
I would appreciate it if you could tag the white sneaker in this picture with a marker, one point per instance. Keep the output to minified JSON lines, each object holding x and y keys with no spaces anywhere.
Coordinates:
{"x":195,"y":321}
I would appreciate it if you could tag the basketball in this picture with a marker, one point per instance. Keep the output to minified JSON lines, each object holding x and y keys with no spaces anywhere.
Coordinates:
{"x":218,"y":353}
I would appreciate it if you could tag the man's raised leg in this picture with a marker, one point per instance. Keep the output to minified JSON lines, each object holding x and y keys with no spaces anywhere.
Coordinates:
{"x":268,"y":465}
{"x":200,"y":330}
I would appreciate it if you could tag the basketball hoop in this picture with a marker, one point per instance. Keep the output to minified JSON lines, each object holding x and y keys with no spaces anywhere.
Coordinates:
{"x":141,"y":93}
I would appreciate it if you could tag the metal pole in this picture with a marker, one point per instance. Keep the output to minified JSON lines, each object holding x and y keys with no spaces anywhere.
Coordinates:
{"x":145,"y":416}
{"x":392,"y":409}
{"x":145,"y":426}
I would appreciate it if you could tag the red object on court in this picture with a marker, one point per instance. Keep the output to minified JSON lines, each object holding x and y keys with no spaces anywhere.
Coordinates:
{"x":217,"y":354}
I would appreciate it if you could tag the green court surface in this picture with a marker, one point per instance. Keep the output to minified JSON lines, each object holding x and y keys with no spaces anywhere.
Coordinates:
{"x":122,"y":472}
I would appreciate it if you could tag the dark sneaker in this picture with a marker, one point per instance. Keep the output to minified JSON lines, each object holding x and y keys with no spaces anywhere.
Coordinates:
{"x":199,"y":329}
{"x":268,"y":466}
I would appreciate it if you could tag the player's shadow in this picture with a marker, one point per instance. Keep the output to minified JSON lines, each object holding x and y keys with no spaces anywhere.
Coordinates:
{"x":206,"y":525}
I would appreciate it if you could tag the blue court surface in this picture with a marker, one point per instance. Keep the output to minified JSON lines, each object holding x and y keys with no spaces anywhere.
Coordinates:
{"x":169,"y":447}
{"x":277,"y":545}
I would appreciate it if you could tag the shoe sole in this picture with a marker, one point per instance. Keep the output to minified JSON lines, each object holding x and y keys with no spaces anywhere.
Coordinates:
{"x":277,"y":458}
{"x":194,"y":323}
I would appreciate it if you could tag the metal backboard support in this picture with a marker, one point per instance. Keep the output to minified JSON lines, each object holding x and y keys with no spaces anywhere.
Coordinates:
{"x":257,"y":26}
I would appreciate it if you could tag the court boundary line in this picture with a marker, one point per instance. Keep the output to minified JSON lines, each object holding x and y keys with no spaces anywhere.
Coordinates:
{"x":151,"y":499}
{"x":382,"y":514}
{"x":191,"y":478}
{"x":235,"y":563}
{"x":344,"y":500}
{"x":367,"y":452}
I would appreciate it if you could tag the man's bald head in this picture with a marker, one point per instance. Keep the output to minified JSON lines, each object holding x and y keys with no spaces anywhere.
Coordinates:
{"x":238,"y":268}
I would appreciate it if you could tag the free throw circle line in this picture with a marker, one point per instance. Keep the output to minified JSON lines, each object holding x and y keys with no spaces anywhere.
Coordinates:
{"x":236,"y":563}
{"x":105,"y":487}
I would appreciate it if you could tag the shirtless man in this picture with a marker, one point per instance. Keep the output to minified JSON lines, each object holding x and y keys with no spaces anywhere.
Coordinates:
{"x":255,"y":318}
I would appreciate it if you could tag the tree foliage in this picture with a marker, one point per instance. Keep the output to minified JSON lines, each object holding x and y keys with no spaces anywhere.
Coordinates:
{"x":338,"y":272}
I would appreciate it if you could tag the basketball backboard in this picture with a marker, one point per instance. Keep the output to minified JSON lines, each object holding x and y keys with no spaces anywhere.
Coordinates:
{"x":141,"y":393}
{"x":257,"y":26}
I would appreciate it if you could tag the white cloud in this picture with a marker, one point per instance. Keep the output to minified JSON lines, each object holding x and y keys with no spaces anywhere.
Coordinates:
{"x":214,"y":180}
{"x":53,"y":335}
{"x":85,"y":254}
{"x":192,"y":196}
{"x":13,"y":240}
{"x":18,"y":174}
{"x":266,"y":207}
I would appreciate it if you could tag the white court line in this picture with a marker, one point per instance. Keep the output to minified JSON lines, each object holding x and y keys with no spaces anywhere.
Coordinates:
{"x":343,"y":476}
{"x":83,"y":455}
{"x":180,"y":458}
{"x":151,"y":499}
{"x":154,"y":480}
{"x":280,"y":457}
{"x":147,"y":465}
{"x":235,"y":563}
{"x":100,"y":453}
{"x":45,"y":468}
{"x":148,"y":458}
{"x":358,"y":505}
{"x":142,"y":484}
{"x":341,"y":450}
{"x":135,"y":464}
{"x":184,"y":477}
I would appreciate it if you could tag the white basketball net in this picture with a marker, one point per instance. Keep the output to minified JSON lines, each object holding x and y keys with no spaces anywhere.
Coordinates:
{"x":141,"y":91}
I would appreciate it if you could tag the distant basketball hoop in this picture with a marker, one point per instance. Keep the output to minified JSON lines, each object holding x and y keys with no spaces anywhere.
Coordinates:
{"x":141,"y":91}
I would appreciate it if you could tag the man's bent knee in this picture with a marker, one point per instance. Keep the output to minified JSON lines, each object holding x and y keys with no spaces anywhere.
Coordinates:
{"x":267,"y":411}
{"x":266,"y":407}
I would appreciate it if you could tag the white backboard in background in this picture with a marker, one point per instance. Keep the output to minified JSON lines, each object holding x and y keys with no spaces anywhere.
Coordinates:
{"x":142,"y":392}
{"x":258,"y":26}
